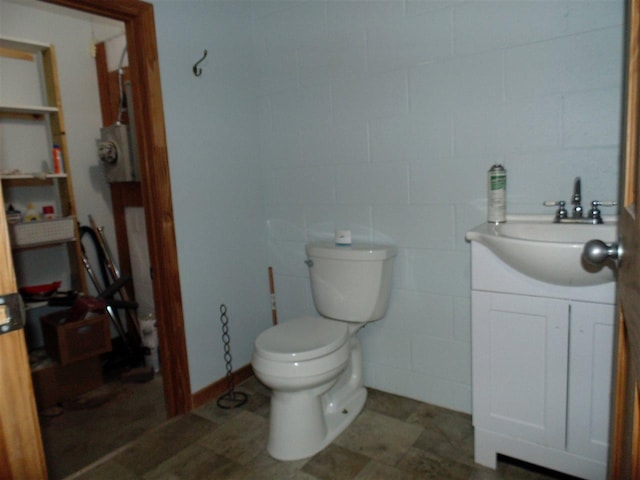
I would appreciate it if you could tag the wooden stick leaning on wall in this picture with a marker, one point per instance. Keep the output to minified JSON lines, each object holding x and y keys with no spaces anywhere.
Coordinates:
{"x":272,"y":291}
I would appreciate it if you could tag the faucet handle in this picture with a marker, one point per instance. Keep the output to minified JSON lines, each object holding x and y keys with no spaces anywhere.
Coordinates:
{"x":594,"y":213}
{"x":561,"y":213}
{"x":608,"y":203}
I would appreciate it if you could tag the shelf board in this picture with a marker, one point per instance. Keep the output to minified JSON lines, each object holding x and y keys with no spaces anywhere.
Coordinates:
{"x":26,"y":111}
{"x":29,"y":176}
{"x":20,"y":44}
{"x":31,"y":179}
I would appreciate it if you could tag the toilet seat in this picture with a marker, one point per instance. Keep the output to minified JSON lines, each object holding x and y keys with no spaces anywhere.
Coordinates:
{"x":304,"y":338}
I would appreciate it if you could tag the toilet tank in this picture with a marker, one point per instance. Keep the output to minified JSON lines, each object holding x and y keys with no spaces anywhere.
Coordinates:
{"x":353,"y":283}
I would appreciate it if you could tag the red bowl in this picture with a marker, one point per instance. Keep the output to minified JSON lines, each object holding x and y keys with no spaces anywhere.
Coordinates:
{"x":46,"y":289}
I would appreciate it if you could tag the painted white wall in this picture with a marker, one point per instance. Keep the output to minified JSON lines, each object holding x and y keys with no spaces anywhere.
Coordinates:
{"x":211,"y":124}
{"x":138,"y":243}
{"x":215,"y":179}
{"x":383,"y":118}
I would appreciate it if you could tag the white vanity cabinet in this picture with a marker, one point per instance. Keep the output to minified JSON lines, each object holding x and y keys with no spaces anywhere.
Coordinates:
{"x":542,"y":358}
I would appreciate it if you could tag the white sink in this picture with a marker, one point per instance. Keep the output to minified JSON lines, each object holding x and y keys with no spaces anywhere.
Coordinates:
{"x":547,"y":251}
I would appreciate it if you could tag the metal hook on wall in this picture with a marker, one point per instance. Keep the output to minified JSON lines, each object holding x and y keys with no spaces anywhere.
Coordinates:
{"x":198,"y":71}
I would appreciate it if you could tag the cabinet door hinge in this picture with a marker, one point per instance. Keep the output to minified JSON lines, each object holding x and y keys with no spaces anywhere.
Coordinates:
{"x":12,"y":316}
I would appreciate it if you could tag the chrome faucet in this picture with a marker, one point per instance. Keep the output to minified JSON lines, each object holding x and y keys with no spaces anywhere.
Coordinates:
{"x":576,"y":199}
{"x":577,"y":213}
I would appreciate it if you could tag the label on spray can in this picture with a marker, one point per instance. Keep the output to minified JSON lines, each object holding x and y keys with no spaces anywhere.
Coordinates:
{"x":497,"y":195}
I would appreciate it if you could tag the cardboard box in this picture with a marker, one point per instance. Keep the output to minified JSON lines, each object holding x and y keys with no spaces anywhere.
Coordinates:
{"x":54,"y":383}
{"x":73,"y":341}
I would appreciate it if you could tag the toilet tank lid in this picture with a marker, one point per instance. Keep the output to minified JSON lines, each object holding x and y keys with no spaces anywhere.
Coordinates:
{"x":361,"y":252}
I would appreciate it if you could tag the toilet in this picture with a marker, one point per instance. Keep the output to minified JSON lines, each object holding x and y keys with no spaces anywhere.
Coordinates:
{"x":313,"y":364}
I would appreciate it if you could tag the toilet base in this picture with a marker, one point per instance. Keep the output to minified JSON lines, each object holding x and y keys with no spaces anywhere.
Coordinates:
{"x":305,"y":426}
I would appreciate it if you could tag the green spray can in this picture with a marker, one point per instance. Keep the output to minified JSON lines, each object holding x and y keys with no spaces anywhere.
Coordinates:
{"x":497,"y":194}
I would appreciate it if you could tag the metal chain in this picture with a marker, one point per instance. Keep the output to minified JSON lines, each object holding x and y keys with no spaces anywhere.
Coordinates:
{"x":231,"y":398}
{"x":226,"y":340}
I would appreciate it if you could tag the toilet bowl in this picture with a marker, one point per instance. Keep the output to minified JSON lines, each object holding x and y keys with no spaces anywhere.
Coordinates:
{"x":313,"y":364}
{"x":303,"y":353}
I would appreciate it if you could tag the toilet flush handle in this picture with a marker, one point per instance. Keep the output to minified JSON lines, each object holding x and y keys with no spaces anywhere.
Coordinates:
{"x":309,"y":263}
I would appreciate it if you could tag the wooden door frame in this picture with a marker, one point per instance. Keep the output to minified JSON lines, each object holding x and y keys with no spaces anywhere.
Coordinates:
{"x":624,"y":458}
{"x":138,"y":18}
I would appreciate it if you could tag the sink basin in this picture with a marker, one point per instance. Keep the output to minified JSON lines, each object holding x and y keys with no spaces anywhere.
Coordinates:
{"x":547,"y":251}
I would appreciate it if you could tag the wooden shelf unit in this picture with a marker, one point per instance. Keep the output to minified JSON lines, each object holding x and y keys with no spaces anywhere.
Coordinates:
{"x":52,"y":114}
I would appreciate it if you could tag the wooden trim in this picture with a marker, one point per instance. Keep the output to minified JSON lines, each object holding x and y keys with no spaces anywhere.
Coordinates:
{"x":156,"y":188}
{"x":20,"y":438}
{"x":22,"y":116}
{"x":26,"y":182}
{"x":17,"y":54}
{"x":20,"y":442}
{"x":217,"y":388}
{"x":108,"y":86}
{"x":632,"y":101}
{"x":621,"y":453}
{"x":123,"y":195}
{"x":59,"y":137}
{"x":124,"y":10}
{"x":635,"y":442}
{"x":103,"y":87}
{"x":618,"y":417}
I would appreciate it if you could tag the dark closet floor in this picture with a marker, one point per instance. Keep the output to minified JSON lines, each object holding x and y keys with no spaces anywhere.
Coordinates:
{"x":99,"y":422}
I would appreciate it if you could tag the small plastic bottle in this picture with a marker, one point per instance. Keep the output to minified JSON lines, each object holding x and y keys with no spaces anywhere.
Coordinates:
{"x":48,"y":212}
{"x":149,"y":333}
{"x":13,"y":215}
{"x":58,"y":166}
{"x":31,"y":215}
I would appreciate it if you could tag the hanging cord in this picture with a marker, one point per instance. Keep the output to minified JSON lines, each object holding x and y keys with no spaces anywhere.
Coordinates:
{"x":231,"y":398}
{"x":91,"y":233}
{"x":122,"y":104}
{"x":272,"y":291}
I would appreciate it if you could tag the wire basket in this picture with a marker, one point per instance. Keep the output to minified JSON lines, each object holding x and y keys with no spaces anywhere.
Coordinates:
{"x":42,"y":232}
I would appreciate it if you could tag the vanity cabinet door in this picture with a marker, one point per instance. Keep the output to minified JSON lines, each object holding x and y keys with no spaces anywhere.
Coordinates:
{"x":591,"y":341}
{"x":520,"y":366}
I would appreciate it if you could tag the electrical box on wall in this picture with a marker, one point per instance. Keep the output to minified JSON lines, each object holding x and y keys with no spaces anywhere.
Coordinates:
{"x":118,"y":147}
{"x":115,"y":153}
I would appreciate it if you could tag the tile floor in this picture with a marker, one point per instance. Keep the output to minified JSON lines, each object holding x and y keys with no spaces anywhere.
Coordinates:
{"x":393,"y":438}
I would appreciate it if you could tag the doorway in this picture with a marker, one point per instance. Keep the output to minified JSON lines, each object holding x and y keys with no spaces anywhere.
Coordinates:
{"x":156,"y":196}
{"x":137,"y":17}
